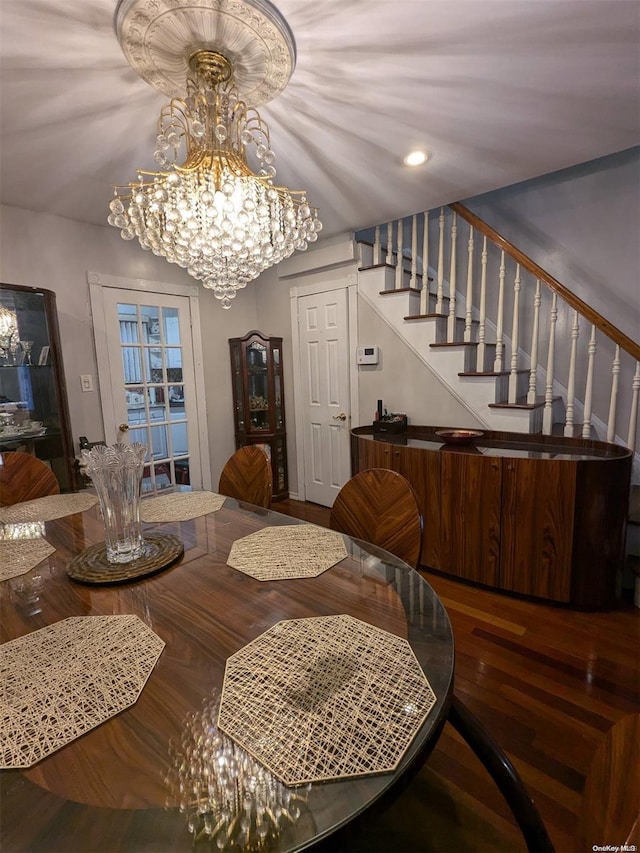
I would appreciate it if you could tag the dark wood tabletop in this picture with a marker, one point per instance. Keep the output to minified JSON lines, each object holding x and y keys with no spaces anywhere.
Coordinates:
{"x":106,"y":791}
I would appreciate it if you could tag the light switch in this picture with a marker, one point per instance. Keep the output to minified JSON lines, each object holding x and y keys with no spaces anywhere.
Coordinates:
{"x":86,"y":382}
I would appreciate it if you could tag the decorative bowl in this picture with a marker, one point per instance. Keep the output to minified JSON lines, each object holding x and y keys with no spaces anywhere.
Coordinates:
{"x":459,"y":436}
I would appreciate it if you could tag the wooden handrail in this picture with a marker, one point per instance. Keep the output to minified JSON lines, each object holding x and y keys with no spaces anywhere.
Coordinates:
{"x":600,"y":322}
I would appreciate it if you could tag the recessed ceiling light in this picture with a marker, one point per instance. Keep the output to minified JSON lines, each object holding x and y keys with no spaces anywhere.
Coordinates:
{"x":416,"y":158}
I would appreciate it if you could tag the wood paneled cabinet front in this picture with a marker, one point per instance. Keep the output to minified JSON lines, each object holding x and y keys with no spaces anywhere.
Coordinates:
{"x":534,"y":515}
{"x":258,"y":401}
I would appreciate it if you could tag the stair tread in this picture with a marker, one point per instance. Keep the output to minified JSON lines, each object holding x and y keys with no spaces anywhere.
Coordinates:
{"x":400,"y":290}
{"x":424,"y":316}
{"x":485,"y":373}
{"x":521,"y":370}
{"x":521,"y":403}
{"x":456,"y":344}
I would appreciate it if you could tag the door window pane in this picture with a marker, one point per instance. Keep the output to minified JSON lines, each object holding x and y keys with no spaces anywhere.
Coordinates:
{"x":136,"y":411}
{"x":171,"y":326}
{"x":159,"y":442}
{"x":183,"y":477}
{"x":157,"y":407}
{"x":176,"y":402}
{"x":162,"y":472}
{"x":140,"y":435}
{"x":179,"y":439}
{"x":173,"y":356}
{"x":128,"y":317}
{"x":150,"y":320}
{"x":153,"y":364}
{"x":131,"y":364}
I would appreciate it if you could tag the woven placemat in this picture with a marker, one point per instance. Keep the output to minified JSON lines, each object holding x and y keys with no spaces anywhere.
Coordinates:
{"x":92,"y":566}
{"x":65,"y":679}
{"x":180,"y":506}
{"x":290,"y":551}
{"x":48,"y":508}
{"x":328,"y":697}
{"x":19,"y":556}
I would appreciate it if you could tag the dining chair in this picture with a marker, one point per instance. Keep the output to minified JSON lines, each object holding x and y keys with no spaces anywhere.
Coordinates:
{"x":380,"y":506}
{"x":247,"y":476}
{"x":24,"y":477}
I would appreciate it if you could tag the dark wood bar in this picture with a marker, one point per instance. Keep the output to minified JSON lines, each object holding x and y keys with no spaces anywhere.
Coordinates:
{"x":536,"y":515}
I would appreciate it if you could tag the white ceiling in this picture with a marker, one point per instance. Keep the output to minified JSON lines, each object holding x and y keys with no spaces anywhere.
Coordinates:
{"x":498,"y":91}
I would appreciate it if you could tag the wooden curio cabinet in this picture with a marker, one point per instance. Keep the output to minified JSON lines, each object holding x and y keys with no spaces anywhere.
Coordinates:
{"x":34,"y":416}
{"x":258,"y":401}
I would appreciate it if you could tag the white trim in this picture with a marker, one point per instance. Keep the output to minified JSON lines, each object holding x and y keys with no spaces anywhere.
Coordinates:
{"x":350,"y":284}
{"x":166,"y":287}
{"x":97,"y":281}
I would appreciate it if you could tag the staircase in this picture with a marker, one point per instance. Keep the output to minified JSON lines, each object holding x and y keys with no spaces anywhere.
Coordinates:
{"x":513,"y":345}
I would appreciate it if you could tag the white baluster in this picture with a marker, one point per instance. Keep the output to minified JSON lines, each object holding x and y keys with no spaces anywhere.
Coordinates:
{"x":547,"y":419}
{"x":633,"y":420}
{"x":515,"y":332}
{"x":571,"y":384}
{"x":498,"y":363}
{"x":613,"y":402}
{"x":377,"y":249}
{"x":482,"y":326}
{"x":414,"y":251}
{"x":389,"y":258}
{"x":440,"y":291}
{"x":588,"y":392}
{"x":424,"y":294}
{"x":451,"y":324}
{"x":399,"y":255}
{"x":533,"y":372}
{"x":468,"y":326}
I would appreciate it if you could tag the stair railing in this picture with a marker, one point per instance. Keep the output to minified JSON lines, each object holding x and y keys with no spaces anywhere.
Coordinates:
{"x":546,"y":322}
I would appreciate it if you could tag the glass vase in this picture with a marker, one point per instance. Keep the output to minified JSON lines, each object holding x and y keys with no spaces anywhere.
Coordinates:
{"x":116,"y":473}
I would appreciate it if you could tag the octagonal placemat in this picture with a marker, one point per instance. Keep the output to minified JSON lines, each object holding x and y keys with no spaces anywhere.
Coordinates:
{"x":289,"y":551}
{"x":63,"y":680}
{"x":19,"y":556}
{"x":180,"y":506}
{"x":324,"y":698}
{"x":47,"y":508}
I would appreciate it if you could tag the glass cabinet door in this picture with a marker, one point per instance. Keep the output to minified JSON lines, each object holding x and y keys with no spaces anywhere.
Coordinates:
{"x":258,"y":386}
{"x":33,"y":405}
{"x":258,"y":401}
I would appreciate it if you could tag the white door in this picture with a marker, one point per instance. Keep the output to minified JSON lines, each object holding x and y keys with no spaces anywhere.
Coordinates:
{"x":148,"y":386}
{"x":323,"y":326}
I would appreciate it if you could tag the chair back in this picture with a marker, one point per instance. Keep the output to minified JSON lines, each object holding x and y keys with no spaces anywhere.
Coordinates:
{"x":611,"y":797}
{"x":24,"y":477}
{"x":247,"y":476}
{"x":380,"y":506}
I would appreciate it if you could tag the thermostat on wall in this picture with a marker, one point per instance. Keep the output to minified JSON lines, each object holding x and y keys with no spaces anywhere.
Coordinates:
{"x":367,"y":355}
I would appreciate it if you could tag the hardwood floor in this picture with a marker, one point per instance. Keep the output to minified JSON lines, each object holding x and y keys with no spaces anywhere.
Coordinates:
{"x":545,"y":681}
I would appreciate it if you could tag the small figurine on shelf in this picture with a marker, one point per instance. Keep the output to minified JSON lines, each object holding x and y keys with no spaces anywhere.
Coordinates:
{"x":26,"y":347}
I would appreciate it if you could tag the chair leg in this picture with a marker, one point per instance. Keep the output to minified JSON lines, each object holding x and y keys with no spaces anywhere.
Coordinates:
{"x":504,"y":775}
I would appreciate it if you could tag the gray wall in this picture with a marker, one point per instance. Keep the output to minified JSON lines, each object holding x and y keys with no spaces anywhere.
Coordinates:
{"x":582,"y":225}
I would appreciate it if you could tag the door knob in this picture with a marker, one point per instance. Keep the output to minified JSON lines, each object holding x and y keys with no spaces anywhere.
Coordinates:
{"x":341,"y":417}
{"x":124,"y":427}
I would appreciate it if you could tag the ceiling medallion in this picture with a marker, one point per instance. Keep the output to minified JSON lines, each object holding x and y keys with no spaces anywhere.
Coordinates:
{"x":213,"y":208}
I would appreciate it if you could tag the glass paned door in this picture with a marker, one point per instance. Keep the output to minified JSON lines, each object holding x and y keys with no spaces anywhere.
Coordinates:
{"x":149,"y":340}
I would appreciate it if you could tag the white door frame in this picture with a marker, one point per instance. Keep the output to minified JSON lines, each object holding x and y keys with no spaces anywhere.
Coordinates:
{"x":348,"y":282}
{"x":97,"y":281}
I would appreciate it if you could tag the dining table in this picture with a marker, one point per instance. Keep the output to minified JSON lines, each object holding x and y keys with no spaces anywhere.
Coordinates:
{"x":124,"y":785}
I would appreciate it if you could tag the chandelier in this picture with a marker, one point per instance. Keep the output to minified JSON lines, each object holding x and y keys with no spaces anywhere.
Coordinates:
{"x":213,"y":206}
